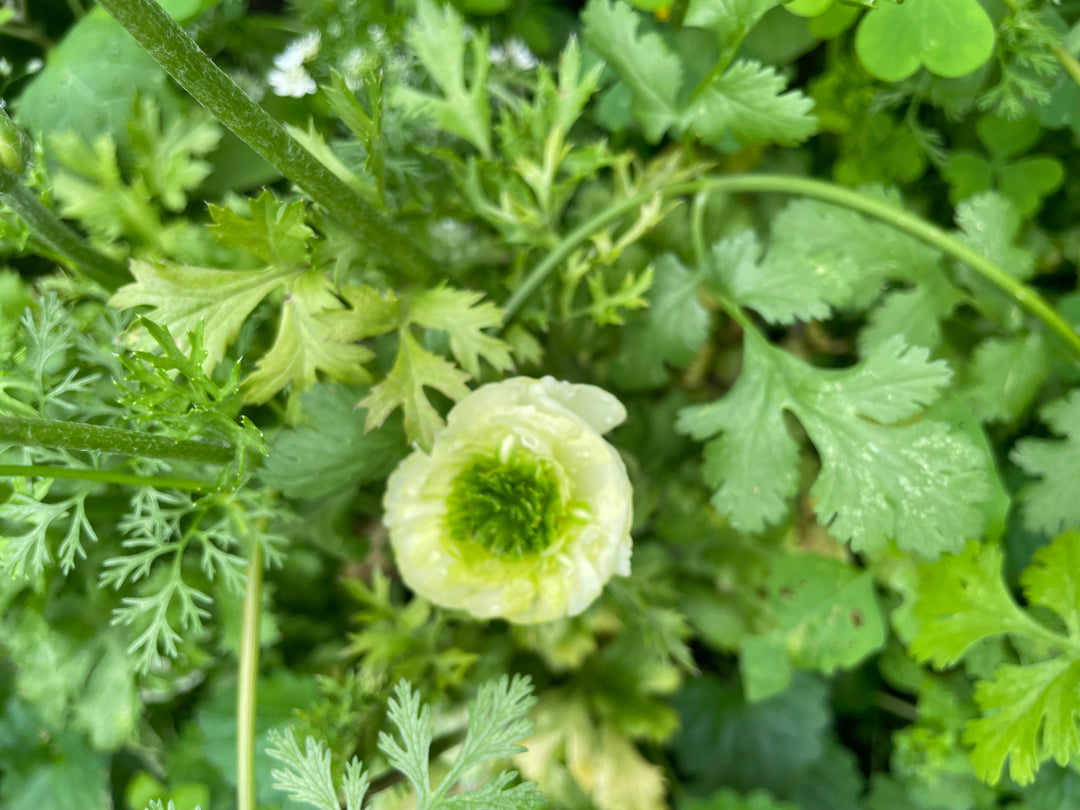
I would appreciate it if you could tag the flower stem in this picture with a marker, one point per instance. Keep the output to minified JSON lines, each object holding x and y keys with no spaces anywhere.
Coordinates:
{"x":1067,"y":60}
{"x":103,"y":476}
{"x":79,"y":436}
{"x":57,"y":236}
{"x":919,"y":228}
{"x":247,"y":691}
{"x":167,"y":42}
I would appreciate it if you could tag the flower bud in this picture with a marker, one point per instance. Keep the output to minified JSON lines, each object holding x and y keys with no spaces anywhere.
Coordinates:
{"x":13,"y":145}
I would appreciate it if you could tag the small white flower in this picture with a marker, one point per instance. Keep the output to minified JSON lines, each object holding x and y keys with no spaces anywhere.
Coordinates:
{"x":294,"y":82}
{"x":34,"y":65}
{"x":521,"y":510}
{"x":306,"y":47}
{"x":519,"y":54}
{"x":496,"y":54}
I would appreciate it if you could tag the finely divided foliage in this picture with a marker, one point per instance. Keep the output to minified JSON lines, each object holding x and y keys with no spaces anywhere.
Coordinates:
{"x":809,"y":267}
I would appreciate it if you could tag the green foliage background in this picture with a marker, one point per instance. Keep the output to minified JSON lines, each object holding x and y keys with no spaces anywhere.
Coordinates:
{"x":825,"y":251}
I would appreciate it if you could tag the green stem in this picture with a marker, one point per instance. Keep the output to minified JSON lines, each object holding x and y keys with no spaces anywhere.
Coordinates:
{"x":181,"y":57}
{"x":103,"y":476}
{"x":27,"y":34}
{"x":57,"y":236}
{"x":80,"y":436}
{"x":924,"y":231}
{"x":1067,"y":60}
{"x":247,"y":692}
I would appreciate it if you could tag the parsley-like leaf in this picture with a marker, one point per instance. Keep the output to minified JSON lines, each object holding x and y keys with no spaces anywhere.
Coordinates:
{"x":749,"y":102}
{"x":1050,"y":504}
{"x":463,"y":317}
{"x":746,"y":101}
{"x":438,"y":37}
{"x":643,"y":60}
{"x":275,"y":232}
{"x":730,"y":19}
{"x":1005,"y":375}
{"x":826,"y":616}
{"x":671,"y":331}
{"x":306,"y":344}
{"x":414,"y":368}
{"x":962,"y":601}
{"x":874,"y":473}
{"x":1030,"y":711}
{"x":181,"y":296}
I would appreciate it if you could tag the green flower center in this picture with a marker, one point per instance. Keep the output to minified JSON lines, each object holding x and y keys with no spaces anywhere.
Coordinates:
{"x":511,"y":507}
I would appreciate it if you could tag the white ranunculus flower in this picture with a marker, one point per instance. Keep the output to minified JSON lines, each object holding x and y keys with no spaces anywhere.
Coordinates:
{"x":521,"y":510}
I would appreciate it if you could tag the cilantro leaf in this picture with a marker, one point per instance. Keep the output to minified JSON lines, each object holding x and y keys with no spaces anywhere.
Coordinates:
{"x":753,"y":464}
{"x":963,"y":600}
{"x":671,"y":331}
{"x":827,"y":617}
{"x":438,"y":37}
{"x":1049,"y":504}
{"x":414,"y":368}
{"x":915,"y":314}
{"x":1005,"y":375}
{"x":460,"y":314}
{"x":307,"y":344}
{"x":643,"y":60}
{"x":1030,"y":714}
{"x":1052,"y":579}
{"x":180,"y":296}
{"x":822,"y":241}
{"x":874,"y":473}
{"x":730,"y":19}
{"x":783,"y":291}
{"x":749,"y":102}
{"x":332,"y":450}
{"x":745,"y":101}
{"x":990,"y":224}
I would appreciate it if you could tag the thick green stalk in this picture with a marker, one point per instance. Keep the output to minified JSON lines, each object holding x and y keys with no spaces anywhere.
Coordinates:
{"x":57,"y":236}
{"x":79,"y":436}
{"x":926,"y":232}
{"x":181,"y":57}
{"x":247,"y":691}
{"x":103,"y":477}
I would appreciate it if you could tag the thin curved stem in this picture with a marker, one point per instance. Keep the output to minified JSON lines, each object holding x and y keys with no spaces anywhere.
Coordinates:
{"x":1066,"y":60}
{"x":167,"y":42}
{"x":52,"y":232}
{"x":103,"y":477}
{"x":922,"y":230}
{"x":63,"y":435}
{"x":247,"y":691}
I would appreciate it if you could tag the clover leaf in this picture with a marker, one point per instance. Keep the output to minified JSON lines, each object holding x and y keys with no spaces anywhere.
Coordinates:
{"x":948,"y":37}
{"x":1025,"y":179}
